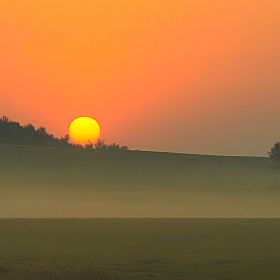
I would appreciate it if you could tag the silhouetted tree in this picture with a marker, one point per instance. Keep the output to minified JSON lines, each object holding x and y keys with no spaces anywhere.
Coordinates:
{"x":113,"y":146}
{"x":125,"y":148}
{"x":65,"y":140}
{"x":12,"y":132}
{"x":274,"y":152}
{"x":30,"y":136}
{"x":89,"y":145}
{"x":100,"y":144}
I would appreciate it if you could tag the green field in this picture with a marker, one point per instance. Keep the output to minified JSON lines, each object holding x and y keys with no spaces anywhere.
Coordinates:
{"x":45,"y":182}
{"x":87,"y":249}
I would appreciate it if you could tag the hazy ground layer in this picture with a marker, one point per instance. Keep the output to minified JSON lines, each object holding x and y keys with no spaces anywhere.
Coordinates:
{"x":65,"y":182}
{"x":85,"y":249}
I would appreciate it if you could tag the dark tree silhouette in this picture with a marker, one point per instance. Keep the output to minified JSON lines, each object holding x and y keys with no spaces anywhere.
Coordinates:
{"x":89,"y":145}
{"x":100,"y":144}
{"x":12,"y":132}
{"x":64,"y":140}
{"x":274,"y":152}
{"x":113,"y":146}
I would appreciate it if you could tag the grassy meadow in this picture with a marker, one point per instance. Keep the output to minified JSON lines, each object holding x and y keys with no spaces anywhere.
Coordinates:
{"x":107,"y":249}
{"x":71,"y":214}
{"x":46,"y":182}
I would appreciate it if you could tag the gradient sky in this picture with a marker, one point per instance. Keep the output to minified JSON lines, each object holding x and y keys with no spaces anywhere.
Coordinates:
{"x":187,"y":76}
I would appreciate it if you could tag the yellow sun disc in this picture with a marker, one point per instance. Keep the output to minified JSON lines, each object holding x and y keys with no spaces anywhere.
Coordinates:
{"x":83,"y":130}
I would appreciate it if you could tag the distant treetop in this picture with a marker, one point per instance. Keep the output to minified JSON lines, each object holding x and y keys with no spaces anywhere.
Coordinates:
{"x":274,"y":152}
{"x":100,"y":144}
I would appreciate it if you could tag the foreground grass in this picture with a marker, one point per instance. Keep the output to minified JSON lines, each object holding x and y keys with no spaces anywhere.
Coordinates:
{"x":162,"y":249}
{"x":41,"y":272}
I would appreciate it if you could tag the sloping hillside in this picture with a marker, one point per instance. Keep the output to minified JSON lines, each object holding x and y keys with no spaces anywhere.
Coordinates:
{"x":69,"y":182}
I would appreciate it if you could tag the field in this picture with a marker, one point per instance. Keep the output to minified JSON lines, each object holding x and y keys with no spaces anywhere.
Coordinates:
{"x":45,"y":182}
{"x":116,"y":215}
{"x":139,"y":249}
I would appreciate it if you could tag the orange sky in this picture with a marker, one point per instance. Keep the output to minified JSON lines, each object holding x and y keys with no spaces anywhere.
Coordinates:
{"x":187,"y":76}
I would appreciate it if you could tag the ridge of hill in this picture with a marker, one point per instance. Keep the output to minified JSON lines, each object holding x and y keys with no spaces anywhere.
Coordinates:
{"x":69,"y":182}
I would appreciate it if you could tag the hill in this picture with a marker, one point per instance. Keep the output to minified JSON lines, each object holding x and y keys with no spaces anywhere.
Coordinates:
{"x":72,"y":182}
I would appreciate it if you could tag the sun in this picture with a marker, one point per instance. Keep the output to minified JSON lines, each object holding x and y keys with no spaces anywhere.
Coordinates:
{"x":83,"y":130}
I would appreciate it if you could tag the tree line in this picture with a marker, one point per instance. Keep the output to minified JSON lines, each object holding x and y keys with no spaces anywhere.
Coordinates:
{"x":100,"y":144}
{"x":11,"y":132}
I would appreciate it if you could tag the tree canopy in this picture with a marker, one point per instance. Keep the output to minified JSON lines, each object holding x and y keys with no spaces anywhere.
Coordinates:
{"x":12,"y":132}
{"x":274,"y":152}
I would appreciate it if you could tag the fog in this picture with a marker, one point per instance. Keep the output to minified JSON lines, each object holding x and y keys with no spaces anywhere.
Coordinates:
{"x":53,"y":202}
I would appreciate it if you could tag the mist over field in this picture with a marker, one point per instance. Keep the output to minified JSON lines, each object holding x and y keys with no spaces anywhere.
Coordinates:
{"x":43,"y":182}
